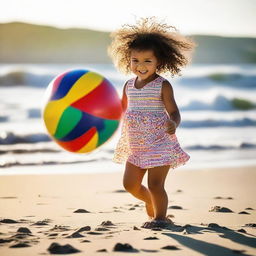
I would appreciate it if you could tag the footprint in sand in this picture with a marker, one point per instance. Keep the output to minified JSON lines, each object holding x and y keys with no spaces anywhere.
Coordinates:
{"x":20,"y":245}
{"x":148,"y":250}
{"x":220,"y":197}
{"x":81,"y":211}
{"x":24,"y":230}
{"x":86,"y":228}
{"x":75,"y":235}
{"x":151,"y":238}
{"x":42,"y":222}
{"x":244,"y":212}
{"x":107,"y":223}
{"x":56,"y":248}
{"x":60,"y":228}
{"x":53,"y":235}
{"x":102,"y":229}
{"x":119,"y":247}
{"x":249,"y":208}
{"x":86,"y":241}
{"x":219,"y":209}
{"x":251,"y":225}
{"x":175,"y":207}
{"x":102,"y":250}
{"x":23,"y":238}
{"x":94,"y":233}
{"x":117,"y":211}
{"x":170,"y":247}
{"x":8,"y":221}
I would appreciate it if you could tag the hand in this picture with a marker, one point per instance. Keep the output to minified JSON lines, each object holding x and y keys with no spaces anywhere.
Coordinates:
{"x":171,"y":126}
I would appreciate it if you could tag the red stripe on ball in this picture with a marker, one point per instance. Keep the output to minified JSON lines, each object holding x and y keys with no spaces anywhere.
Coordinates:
{"x":78,"y":143}
{"x":102,"y":102}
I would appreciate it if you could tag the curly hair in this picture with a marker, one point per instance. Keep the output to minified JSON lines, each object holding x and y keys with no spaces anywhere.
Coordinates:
{"x":169,"y":47}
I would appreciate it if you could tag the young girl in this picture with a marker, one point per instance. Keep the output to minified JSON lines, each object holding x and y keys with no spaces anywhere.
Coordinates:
{"x":151,"y":116}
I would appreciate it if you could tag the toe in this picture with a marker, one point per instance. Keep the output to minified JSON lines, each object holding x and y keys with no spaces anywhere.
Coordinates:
{"x":146,"y":224}
{"x":169,"y":221}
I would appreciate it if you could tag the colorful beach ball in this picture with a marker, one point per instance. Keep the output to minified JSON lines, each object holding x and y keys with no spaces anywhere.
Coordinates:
{"x":82,"y":110}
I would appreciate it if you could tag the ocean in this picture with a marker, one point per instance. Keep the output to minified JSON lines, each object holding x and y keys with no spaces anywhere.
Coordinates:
{"x":217,"y":104}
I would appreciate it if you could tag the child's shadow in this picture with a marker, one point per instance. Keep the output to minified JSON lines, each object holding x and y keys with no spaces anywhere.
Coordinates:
{"x":207,"y":248}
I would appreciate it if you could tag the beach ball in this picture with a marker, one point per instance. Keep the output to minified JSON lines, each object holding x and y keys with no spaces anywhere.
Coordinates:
{"x":82,"y":110}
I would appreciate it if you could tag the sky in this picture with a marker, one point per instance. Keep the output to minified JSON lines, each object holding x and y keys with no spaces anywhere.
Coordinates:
{"x":209,"y":17}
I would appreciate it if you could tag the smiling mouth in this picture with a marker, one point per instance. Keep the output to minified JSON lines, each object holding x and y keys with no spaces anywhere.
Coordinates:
{"x":143,"y":72}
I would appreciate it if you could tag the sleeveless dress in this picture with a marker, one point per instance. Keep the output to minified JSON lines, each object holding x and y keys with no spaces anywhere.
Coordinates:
{"x":144,"y":141}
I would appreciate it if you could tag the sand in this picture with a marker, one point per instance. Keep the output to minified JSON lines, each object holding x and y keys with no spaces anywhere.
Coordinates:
{"x":111,"y":219}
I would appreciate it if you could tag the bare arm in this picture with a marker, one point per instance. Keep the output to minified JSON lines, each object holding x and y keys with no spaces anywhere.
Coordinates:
{"x":170,"y":104}
{"x":124,"y":99}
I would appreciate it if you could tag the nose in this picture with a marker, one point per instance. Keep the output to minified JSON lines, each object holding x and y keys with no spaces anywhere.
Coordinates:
{"x":140,"y":65}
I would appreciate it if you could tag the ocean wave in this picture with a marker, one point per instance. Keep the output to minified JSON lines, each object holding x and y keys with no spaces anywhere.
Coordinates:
{"x":218,"y":123}
{"x":45,"y":149}
{"x":34,"y":113}
{"x":27,"y":151}
{"x":220,"y":103}
{"x":234,"y":80}
{"x":56,"y":158}
{"x":41,"y":77}
{"x":23,"y":77}
{"x":243,"y":145}
{"x":4,"y":119}
{"x":48,"y":146}
{"x":8,"y":138}
{"x":5,"y":164}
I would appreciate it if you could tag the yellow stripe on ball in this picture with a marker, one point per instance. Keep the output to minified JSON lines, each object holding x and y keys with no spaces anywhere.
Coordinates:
{"x":54,"y":109}
{"x":91,"y":145}
{"x":84,"y":85}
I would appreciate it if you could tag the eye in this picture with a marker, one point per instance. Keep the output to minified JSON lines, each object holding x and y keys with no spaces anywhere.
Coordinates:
{"x":134,"y":60}
{"x":148,"y":61}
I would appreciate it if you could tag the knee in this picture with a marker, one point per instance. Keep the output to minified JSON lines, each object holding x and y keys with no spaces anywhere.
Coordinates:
{"x":155,"y":187}
{"x":130,"y":186}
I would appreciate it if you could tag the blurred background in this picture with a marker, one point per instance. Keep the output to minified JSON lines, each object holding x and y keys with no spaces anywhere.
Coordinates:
{"x":215,"y":94}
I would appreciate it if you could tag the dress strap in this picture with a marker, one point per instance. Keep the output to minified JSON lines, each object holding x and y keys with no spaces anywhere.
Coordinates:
{"x":128,"y":84}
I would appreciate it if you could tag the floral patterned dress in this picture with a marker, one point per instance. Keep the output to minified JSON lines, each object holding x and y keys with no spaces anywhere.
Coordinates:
{"x":144,"y":141}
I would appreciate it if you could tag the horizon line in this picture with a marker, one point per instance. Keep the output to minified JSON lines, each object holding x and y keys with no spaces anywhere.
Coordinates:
{"x":109,"y":31}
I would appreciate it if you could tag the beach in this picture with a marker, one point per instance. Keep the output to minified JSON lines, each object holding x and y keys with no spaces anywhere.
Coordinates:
{"x":57,"y":202}
{"x":53,"y":201}
{"x":213,"y":210}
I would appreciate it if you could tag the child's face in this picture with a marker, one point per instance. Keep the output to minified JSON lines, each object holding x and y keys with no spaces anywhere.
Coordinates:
{"x":143,"y":63}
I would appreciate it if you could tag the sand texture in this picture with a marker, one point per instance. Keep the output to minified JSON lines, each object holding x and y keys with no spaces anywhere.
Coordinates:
{"x":213,"y":210}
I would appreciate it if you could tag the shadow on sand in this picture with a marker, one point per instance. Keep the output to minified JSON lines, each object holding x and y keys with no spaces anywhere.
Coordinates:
{"x":207,"y":248}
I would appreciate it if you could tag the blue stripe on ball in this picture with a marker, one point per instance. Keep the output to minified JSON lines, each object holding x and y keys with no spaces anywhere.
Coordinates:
{"x":86,"y":123}
{"x":67,"y":82}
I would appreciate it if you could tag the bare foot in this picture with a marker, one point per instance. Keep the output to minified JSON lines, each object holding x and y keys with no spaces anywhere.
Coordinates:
{"x":150,"y":211}
{"x":168,"y":220}
{"x":155,"y":223}
{"x":146,"y":224}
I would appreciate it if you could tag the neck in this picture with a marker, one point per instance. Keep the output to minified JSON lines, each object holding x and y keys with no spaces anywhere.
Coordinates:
{"x":149,"y":79}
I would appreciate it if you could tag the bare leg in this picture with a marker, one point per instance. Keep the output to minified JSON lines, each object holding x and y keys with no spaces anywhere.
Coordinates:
{"x":156,"y":180}
{"x":132,"y":179}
